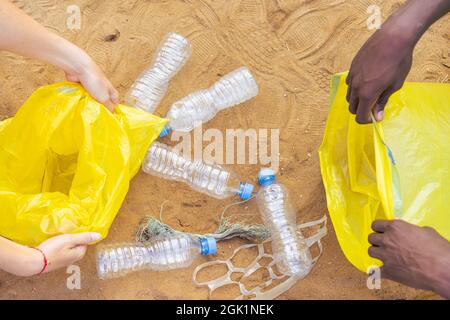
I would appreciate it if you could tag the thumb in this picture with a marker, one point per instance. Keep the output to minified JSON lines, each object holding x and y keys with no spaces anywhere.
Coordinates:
{"x":381,"y":104}
{"x":114,"y":96}
{"x":71,"y":77}
{"x":85,"y":238}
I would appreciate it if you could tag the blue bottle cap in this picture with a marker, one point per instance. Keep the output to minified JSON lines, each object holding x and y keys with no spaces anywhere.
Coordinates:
{"x":208,"y":246}
{"x":266,"y":176}
{"x":165,"y":131}
{"x":245,"y":190}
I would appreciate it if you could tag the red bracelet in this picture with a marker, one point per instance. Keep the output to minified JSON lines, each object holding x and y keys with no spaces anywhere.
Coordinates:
{"x":46,"y":263}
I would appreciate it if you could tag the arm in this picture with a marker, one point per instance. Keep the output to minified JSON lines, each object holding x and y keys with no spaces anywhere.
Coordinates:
{"x":18,"y":259}
{"x":60,"y":251}
{"x":20,"y":34}
{"x":383,"y":63}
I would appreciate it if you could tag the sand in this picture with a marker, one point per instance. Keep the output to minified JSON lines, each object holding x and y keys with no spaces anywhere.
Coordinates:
{"x":292,"y":47}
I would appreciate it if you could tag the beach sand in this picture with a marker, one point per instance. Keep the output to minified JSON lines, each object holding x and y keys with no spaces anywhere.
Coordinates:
{"x":292,"y":47}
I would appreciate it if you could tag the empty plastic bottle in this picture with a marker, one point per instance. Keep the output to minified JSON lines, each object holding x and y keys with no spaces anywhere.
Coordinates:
{"x":151,"y":86}
{"x":164,"y":162}
{"x":201,"y":106}
{"x":171,"y":252}
{"x":290,"y":251}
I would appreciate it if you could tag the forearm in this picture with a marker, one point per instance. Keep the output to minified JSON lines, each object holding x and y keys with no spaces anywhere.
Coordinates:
{"x":414,"y":18}
{"x":18,"y":259}
{"x":20,"y":34}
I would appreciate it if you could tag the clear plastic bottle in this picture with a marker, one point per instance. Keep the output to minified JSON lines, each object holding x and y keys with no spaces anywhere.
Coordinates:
{"x":201,"y":106}
{"x":165,"y":253}
{"x":151,"y":86}
{"x":290,"y":251}
{"x":164,"y":162}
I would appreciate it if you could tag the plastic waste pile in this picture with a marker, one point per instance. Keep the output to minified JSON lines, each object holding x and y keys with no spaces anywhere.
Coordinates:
{"x":165,"y":248}
{"x":266,"y":290}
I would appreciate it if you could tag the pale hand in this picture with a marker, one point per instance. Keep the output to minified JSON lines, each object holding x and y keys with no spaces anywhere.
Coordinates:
{"x":61,"y":251}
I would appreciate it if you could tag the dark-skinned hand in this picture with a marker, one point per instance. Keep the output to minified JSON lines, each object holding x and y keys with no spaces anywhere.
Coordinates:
{"x":378,"y":70}
{"x":382,"y":64}
{"x":418,"y":257}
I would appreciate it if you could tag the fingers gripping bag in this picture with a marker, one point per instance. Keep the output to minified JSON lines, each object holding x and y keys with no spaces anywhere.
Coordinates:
{"x":66,"y":163}
{"x":398,"y":168}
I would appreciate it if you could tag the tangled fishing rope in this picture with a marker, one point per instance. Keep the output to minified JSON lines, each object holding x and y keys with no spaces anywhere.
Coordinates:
{"x":227,"y":229}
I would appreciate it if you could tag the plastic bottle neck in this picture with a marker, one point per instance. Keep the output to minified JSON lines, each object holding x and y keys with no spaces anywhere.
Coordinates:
{"x":165,"y":131}
{"x":245,"y":190}
{"x":267,"y":180}
{"x":207,"y":246}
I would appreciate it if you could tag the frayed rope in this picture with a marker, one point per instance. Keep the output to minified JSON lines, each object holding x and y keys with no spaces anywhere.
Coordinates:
{"x":153,"y":227}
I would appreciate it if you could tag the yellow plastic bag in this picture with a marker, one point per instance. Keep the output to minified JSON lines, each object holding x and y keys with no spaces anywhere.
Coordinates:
{"x":66,"y":163}
{"x":397,"y":168}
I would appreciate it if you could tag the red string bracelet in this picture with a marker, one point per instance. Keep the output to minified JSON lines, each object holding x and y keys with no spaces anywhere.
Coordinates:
{"x":46,"y":263}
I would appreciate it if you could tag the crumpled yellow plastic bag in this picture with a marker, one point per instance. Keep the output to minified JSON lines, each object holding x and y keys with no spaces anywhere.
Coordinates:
{"x":396,"y":168}
{"x":66,"y":163}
